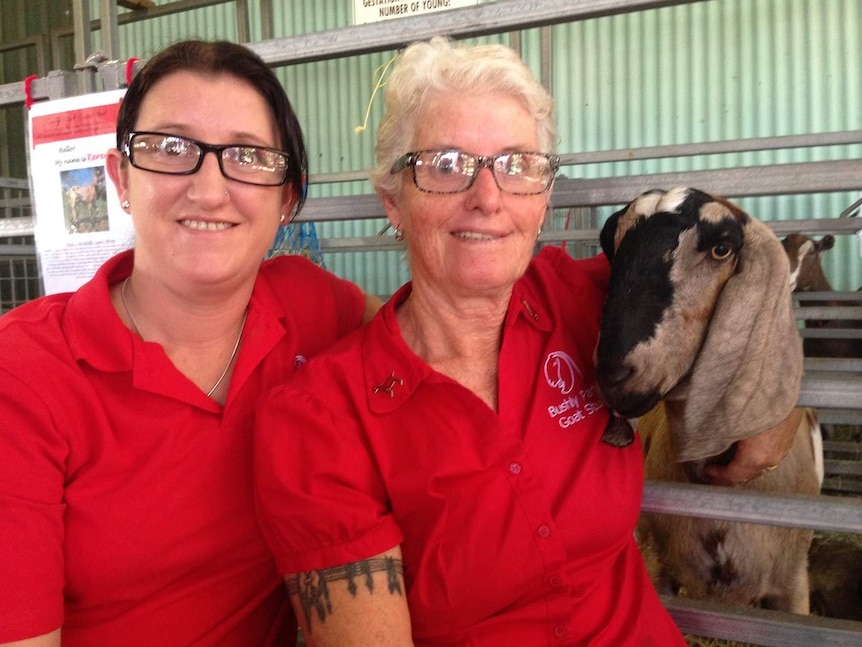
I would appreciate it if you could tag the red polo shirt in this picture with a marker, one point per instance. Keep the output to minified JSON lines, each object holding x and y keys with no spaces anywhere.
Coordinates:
{"x":126,"y":495}
{"x":517,"y":526}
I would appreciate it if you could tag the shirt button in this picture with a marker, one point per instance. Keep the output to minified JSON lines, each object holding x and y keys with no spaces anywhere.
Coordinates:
{"x":544,"y":531}
{"x":555,"y":581}
{"x":560,"y":631}
{"x":515,"y":468}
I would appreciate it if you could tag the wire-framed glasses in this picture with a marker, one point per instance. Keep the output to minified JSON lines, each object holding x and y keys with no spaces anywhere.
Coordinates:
{"x":175,"y":155}
{"x":454,"y":171}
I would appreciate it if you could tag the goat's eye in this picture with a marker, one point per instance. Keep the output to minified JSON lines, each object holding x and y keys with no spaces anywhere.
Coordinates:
{"x":721,"y":251}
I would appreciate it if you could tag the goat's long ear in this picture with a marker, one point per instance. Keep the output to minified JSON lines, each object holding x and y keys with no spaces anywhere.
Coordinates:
{"x":620,"y":222}
{"x":825,"y":243}
{"x":609,"y":233}
{"x":747,"y":375}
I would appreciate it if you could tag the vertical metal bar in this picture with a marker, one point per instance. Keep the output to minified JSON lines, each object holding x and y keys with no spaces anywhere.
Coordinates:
{"x":83,"y":40}
{"x":81,"y":26}
{"x":17,"y":30}
{"x":110,"y":30}
{"x":41,"y":56}
{"x":266,"y":19}
{"x":4,"y":150}
{"x":515,"y":41}
{"x":546,"y":66}
{"x":242,"y":22}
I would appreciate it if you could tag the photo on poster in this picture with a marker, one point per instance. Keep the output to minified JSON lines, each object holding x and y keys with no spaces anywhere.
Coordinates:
{"x":85,"y":206}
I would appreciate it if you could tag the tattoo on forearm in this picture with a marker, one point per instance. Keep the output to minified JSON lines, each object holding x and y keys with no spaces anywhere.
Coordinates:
{"x":312,"y":587}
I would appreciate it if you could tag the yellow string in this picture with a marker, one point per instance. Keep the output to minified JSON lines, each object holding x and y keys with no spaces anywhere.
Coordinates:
{"x":380,"y":76}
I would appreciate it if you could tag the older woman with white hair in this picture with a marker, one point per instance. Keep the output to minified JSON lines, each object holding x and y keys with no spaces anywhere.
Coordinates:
{"x":439,"y":477}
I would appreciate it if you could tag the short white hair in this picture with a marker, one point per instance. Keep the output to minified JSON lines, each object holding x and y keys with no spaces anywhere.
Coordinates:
{"x":440,"y":66}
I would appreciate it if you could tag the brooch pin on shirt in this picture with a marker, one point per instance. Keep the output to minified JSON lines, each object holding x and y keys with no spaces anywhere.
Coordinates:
{"x":388,"y":385}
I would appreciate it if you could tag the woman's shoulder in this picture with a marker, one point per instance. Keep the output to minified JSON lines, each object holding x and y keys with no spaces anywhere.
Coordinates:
{"x":297,"y":277}
{"x":35,"y":323}
{"x":34,"y":341}
{"x":311,"y":296}
{"x":292,"y":265}
{"x":556,"y":265}
{"x":343,"y":366}
{"x":333,"y":375}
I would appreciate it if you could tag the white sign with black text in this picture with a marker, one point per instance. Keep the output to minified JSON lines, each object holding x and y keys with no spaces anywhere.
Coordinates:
{"x":365,"y":11}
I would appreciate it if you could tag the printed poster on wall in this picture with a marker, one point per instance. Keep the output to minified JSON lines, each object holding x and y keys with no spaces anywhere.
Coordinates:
{"x":78,"y":221}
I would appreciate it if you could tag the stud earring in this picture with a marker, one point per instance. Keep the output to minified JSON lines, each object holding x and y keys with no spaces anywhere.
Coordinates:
{"x":125,"y":204}
{"x":399,"y":235}
{"x":281,"y":219}
{"x":225,"y":192}
{"x":538,"y":233}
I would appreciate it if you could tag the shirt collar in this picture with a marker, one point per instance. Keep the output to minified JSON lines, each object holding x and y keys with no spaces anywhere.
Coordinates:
{"x":99,"y":337}
{"x":95,"y":331}
{"x":392,"y":371}
{"x":526,"y":304}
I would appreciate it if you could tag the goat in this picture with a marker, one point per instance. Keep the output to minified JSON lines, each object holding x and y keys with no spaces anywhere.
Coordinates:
{"x":836,"y":576}
{"x":804,"y":254}
{"x":807,"y":275}
{"x":79,"y":196}
{"x":87,"y":197}
{"x":835,"y":560}
{"x":699,"y":315}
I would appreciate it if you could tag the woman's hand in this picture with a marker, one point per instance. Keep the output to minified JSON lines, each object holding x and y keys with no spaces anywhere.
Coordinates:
{"x":757,"y":454}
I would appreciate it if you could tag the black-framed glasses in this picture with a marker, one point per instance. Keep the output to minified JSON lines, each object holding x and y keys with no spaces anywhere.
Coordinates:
{"x":454,"y":171}
{"x":175,"y":155}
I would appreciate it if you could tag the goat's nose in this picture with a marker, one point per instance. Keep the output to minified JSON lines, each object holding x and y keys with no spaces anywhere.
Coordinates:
{"x":616,"y":375}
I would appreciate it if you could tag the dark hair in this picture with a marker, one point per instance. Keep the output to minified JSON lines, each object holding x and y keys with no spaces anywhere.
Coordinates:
{"x":227,"y":58}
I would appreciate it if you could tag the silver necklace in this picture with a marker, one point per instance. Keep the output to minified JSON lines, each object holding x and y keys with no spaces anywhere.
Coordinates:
{"x":232,"y":354}
{"x":135,"y":328}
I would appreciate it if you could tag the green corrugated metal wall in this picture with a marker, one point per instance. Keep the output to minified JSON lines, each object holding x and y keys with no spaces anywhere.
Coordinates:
{"x":716,"y":70}
{"x":144,"y":38}
{"x":719,"y":70}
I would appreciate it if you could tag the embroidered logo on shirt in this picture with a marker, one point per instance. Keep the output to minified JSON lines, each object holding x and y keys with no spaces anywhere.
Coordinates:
{"x":561,"y":371}
{"x":388,"y":385}
{"x":562,"y":374}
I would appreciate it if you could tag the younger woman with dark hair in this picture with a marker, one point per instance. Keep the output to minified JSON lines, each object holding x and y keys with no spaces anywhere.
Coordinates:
{"x":126,"y":505}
